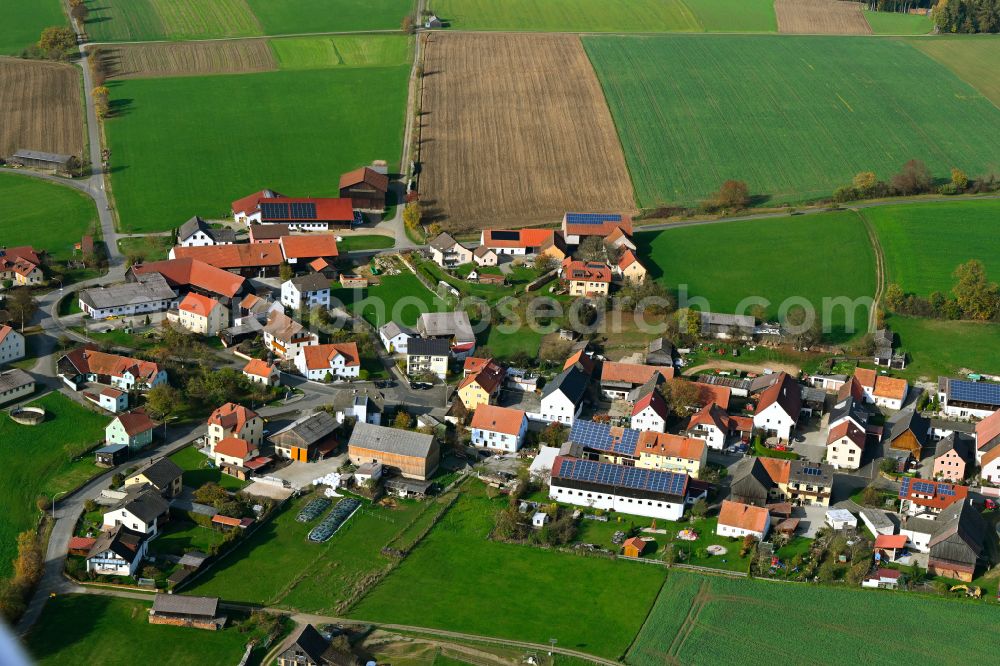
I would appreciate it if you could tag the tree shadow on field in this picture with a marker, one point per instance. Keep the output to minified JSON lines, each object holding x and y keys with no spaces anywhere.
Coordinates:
{"x":759,"y":200}
{"x":432,"y":214}
{"x":119,"y":107}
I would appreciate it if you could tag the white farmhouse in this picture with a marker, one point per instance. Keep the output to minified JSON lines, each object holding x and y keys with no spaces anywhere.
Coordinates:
{"x":306,"y":291}
{"x":498,"y":428}
{"x":562,"y":398}
{"x":395,"y":337}
{"x":739,"y":520}
{"x":11,"y":345}
{"x":339,"y":360}
{"x":779,"y":407}
{"x":140,"y":513}
{"x":196,"y":233}
{"x":117,"y":552}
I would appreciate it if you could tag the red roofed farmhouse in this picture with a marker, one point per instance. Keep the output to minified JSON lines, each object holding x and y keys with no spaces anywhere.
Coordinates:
{"x":302,"y":213}
{"x":740,"y":520}
{"x":499,"y":428}
{"x":779,"y":407}
{"x":339,"y":360}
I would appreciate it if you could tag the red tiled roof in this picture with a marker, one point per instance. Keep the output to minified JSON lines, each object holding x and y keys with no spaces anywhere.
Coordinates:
{"x":988,"y":429}
{"x":586,"y":362}
{"x":498,"y":419}
{"x":589,"y":271}
{"x":318,"y":357}
{"x":890,"y":541}
{"x":111,"y":392}
{"x":779,"y":470}
{"x":712,"y":393}
{"x":605,"y":229}
{"x":786,"y":393}
{"x":525,"y":238}
{"x":191,"y":272}
{"x":319,"y":264}
{"x":743,"y":516}
{"x":489,"y":377}
{"x":671,"y":446}
{"x":866,"y":377}
{"x":4,"y":332}
{"x":711,"y":414}
{"x":627,"y":259}
{"x":232,"y":417}
{"x":81,"y":543}
{"x":198,"y":304}
{"x":990,"y":456}
{"x":852,"y":387}
{"x":635,"y":542}
{"x":633,"y":373}
{"x":258,"y":368}
{"x":248,"y":204}
{"x":229,"y":521}
{"x":87,"y":360}
{"x":328,"y":209}
{"x":234,"y":447}
{"x":849,"y":430}
{"x":242,"y":255}
{"x":317,"y":245}
{"x":366,"y":175}
{"x":938,"y":500}
{"x":135,"y":422}
{"x":888,"y":387}
{"x":655,"y":400}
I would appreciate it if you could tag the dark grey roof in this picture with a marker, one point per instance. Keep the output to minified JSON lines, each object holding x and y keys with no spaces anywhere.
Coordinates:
{"x":764,"y":381}
{"x":310,"y":643}
{"x":443,"y":242}
{"x":311,"y":282}
{"x":42,"y":156}
{"x":908,"y":419}
{"x":392,"y":329}
{"x":446,"y":325}
{"x":963,"y":446}
{"x":179,"y":604}
{"x":651,"y":385}
{"x":751,"y":481}
{"x":960,"y":535}
{"x":849,"y":407}
{"x":307,"y":430}
{"x":193,"y":559}
{"x":428,"y":347}
{"x":956,"y":426}
{"x":572,"y":382}
{"x":391,"y":440}
{"x":121,"y":541}
{"x":146,"y":505}
{"x":662,"y":345}
{"x":160,"y":472}
{"x":150,"y":287}
{"x":817,"y":474}
{"x":14,"y":379}
{"x":191,"y":226}
{"x":722,"y":319}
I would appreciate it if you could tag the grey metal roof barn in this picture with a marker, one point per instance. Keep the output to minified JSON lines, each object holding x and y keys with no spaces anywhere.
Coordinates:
{"x":41,"y":158}
{"x":179,"y":604}
{"x":14,"y":379}
{"x":307,"y":430}
{"x":446,"y":325}
{"x":391,"y":440}
{"x":150,"y":288}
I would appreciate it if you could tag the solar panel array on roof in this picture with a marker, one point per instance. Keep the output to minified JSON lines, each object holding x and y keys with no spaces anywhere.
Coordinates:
{"x":923,"y":487}
{"x":304,"y":210}
{"x":904,"y":487}
{"x":506,"y":235}
{"x":979,"y":392}
{"x":812,"y":471}
{"x":598,"y":437}
{"x":592,"y":218}
{"x":274,"y":211}
{"x":946,"y":490}
{"x":609,"y":474}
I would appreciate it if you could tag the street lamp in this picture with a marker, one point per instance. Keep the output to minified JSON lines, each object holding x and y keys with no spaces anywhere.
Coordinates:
{"x":62,"y":492}
{"x":165,"y":420}
{"x":552,"y":645}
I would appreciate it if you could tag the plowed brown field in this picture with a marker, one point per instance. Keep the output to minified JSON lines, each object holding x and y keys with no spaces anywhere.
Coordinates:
{"x":40,"y":107}
{"x":130,"y":61}
{"x":821,"y":17}
{"x":515,"y":131}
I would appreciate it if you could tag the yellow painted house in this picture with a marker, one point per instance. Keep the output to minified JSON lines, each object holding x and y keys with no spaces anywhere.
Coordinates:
{"x":482,"y":382}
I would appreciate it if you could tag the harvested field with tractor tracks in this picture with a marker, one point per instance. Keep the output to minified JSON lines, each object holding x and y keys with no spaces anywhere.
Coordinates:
{"x":515,"y":131}
{"x":40,"y":107}
{"x":821,"y":17}
{"x":130,"y":61}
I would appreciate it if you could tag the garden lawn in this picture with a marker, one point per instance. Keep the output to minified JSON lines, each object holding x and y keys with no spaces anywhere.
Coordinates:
{"x":827,"y":255}
{"x":277,"y":566}
{"x":342,"y":51}
{"x":734,"y":15}
{"x":283,"y":17}
{"x":368,"y":242}
{"x":142,"y":20}
{"x":459,"y":580}
{"x":923,"y":244}
{"x":941,"y":347}
{"x":146,"y":248}
{"x":974,"y":58}
{"x":94,"y":629}
{"x":293,"y":131}
{"x":197,"y":472}
{"x":180,"y":537}
{"x":41,"y":460}
{"x":692,"y":623}
{"x":45,"y":215}
{"x":896,"y":23}
{"x":401,"y":298}
{"x":568,"y":15}
{"x":24,"y":20}
{"x":792,"y":116}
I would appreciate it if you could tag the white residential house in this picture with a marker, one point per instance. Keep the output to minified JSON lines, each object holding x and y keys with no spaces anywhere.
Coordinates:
{"x":285,"y":336}
{"x":15,"y":384}
{"x":428,"y":355}
{"x":232,"y":420}
{"x":484,"y":256}
{"x":117,"y":552}
{"x":562,"y":398}
{"x":197,"y":233}
{"x":395,"y":337}
{"x":498,"y":428}
{"x":650,"y":413}
{"x":262,"y":372}
{"x":11,"y":345}
{"x":779,"y":407}
{"x":202,"y":315}
{"x":110,"y":399}
{"x":845,"y":445}
{"x":140,"y":513}
{"x":339,"y":360}
{"x":308,"y":291}
{"x":149,"y":293}
{"x":738,"y":520}
{"x":448,"y":252}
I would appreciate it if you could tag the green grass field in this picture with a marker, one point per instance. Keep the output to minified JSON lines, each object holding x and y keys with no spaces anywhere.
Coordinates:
{"x":286,"y":17}
{"x":401,"y":298}
{"x":197,"y":472}
{"x":924,"y":243}
{"x":974,"y":58}
{"x":180,"y":537}
{"x":24,"y":20}
{"x":342,"y":51}
{"x":808,"y":256}
{"x":365,"y":242}
{"x":734,"y":15}
{"x":942,"y":347}
{"x":238,"y":133}
{"x":457,"y":579}
{"x":40,"y":461}
{"x":115,"y":632}
{"x":794,"y":117}
{"x":148,"y":248}
{"x":895,"y":23}
{"x":569,"y":15}
{"x":278,"y":567}
{"x":141,"y":20}
{"x":692,"y":623}
{"x":45,"y":215}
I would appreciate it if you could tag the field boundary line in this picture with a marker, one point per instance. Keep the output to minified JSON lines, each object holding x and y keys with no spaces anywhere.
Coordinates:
{"x":879,"y":269}
{"x":334,"y":33}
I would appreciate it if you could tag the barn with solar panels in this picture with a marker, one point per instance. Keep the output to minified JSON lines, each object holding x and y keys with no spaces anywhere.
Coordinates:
{"x":577,"y":226}
{"x":300,"y":214}
{"x":610,"y":487}
{"x":965,"y":399}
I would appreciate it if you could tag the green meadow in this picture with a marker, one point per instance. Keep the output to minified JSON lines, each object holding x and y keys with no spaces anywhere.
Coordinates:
{"x":924,"y":243}
{"x":142,"y":20}
{"x":342,"y":51}
{"x":896,"y":23}
{"x":285,"y":17}
{"x":809,"y":257}
{"x":293,"y":131}
{"x":46,"y":215}
{"x":794,"y":117}
{"x":974,"y":58}
{"x":22,"y":22}
{"x":941,"y":347}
